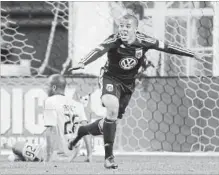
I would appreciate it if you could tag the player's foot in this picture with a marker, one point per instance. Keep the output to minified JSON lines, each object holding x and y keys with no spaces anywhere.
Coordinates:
{"x":110,"y":163}
{"x":70,"y":145}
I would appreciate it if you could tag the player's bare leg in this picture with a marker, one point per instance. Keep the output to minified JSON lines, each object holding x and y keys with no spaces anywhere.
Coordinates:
{"x":111,"y":103}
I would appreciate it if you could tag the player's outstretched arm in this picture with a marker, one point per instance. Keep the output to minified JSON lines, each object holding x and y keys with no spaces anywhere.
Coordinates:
{"x":96,"y":53}
{"x":169,"y":48}
{"x":152,"y":43}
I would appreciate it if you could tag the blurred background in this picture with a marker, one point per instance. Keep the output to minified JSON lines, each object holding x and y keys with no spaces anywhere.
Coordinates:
{"x":176,"y":103}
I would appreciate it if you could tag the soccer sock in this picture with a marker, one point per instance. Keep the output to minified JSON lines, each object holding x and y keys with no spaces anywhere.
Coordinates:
{"x":109,"y":133}
{"x":92,"y":129}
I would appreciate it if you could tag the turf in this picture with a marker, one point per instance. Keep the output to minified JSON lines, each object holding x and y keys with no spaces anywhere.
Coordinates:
{"x":127,"y":165}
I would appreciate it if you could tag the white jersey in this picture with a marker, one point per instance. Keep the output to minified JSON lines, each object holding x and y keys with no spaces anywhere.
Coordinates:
{"x":66,"y":115}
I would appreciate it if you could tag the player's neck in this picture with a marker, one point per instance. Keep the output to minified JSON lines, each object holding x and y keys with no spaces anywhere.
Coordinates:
{"x":132,"y":40}
{"x":59,"y":93}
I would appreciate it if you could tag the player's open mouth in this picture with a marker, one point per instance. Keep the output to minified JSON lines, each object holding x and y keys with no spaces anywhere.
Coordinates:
{"x":124,"y":35}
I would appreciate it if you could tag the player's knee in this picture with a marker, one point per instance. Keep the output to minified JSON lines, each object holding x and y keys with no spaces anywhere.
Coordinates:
{"x":82,"y":131}
{"x":111,"y":103}
{"x":112,"y":114}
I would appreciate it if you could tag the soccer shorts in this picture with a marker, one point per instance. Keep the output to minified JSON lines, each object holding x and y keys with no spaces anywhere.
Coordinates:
{"x":115,"y":87}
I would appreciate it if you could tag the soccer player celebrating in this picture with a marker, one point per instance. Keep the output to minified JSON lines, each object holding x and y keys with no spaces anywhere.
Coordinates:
{"x":62,"y":118}
{"x":125,"y":51}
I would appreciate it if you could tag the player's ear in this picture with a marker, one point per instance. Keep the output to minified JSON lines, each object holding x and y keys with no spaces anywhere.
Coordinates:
{"x":53,"y":87}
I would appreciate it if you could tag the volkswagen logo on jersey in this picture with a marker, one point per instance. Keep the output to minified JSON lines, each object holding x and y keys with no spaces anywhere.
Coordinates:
{"x":128,"y":63}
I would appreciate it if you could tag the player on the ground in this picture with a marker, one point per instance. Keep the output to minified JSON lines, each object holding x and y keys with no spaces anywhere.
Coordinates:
{"x":62,"y":118}
{"x":125,"y":51}
{"x":25,"y":151}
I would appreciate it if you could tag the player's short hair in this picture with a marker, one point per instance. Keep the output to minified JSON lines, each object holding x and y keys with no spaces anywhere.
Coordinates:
{"x":58,"y":80}
{"x":137,"y":9}
{"x":132,"y":17}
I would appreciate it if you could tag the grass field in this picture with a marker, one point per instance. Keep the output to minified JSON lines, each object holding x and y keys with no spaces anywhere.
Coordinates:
{"x":127,"y":165}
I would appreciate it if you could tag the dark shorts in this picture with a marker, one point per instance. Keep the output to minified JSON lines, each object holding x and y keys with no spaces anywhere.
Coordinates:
{"x":110,"y":85}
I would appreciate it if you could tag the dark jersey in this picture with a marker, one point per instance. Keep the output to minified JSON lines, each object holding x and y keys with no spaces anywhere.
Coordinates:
{"x":124,"y":60}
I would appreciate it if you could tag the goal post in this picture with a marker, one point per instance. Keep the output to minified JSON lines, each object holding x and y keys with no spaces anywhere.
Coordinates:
{"x":216,"y":39}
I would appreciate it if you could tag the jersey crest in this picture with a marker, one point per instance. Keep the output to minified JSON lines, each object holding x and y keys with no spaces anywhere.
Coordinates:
{"x":138,"y":53}
{"x":109,"y":87}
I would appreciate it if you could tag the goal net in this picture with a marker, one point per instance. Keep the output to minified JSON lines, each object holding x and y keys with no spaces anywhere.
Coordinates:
{"x":175,"y":106}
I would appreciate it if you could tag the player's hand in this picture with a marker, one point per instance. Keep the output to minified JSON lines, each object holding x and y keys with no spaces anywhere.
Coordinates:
{"x":199,"y":58}
{"x":77,"y":66}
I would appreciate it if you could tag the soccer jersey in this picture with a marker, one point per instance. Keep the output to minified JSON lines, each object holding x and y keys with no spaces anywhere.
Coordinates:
{"x":27,"y":151}
{"x":33,"y":152}
{"x":124,"y":60}
{"x":66,"y":115}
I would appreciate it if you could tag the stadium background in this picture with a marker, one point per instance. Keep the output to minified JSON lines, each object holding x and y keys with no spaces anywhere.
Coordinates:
{"x":176,"y":108}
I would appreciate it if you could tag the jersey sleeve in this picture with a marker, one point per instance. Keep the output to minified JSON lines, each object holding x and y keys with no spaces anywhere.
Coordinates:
{"x":49,"y":113}
{"x":152,"y":43}
{"x":101,"y":49}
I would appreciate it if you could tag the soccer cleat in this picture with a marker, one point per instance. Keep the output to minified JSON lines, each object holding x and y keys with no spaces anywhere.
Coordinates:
{"x":110,"y":163}
{"x":70,"y":145}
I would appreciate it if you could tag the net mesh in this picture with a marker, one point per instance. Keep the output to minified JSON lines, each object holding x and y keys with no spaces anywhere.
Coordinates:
{"x":175,"y":105}
{"x":13,"y":43}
